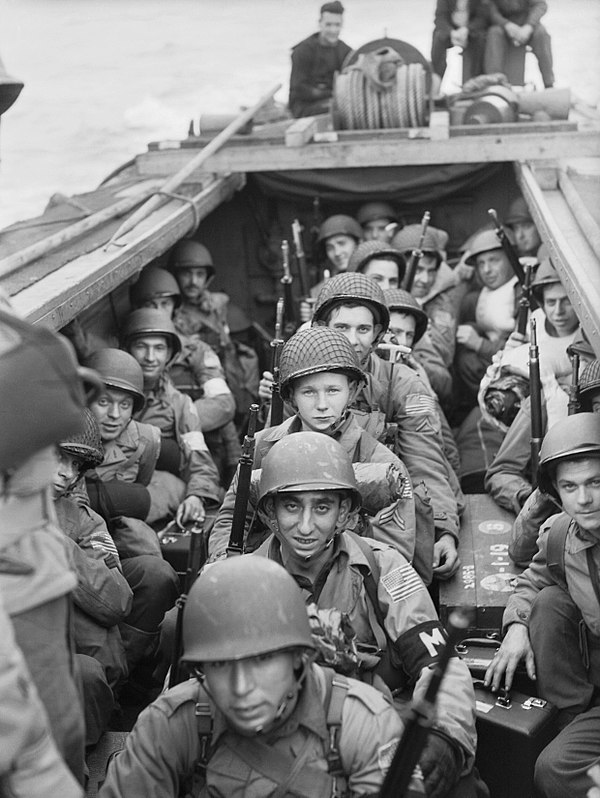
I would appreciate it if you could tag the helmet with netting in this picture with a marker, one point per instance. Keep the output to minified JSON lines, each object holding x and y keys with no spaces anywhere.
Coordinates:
{"x":574,"y":437}
{"x":86,"y":445}
{"x":315,"y":350}
{"x":244,"y":607}
{"x":589,"y":384}
{"x":120,"y":370}
{"x":154,"y":283}
{"x":307,"y":461}
{"x":352,"y":288}
{"x":367,"y":251}
{"x":404,"y":302}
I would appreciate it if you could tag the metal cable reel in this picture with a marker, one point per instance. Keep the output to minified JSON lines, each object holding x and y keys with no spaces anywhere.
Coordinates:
{"x":384,"y":84}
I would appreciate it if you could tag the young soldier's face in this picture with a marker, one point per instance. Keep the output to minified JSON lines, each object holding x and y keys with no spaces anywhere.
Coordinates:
{"x":527,"y":238}
{"x":321,"y":399}
{"x":578,"y":485}
{"x":383,"y":271}
{"x":402,"y":327}
{"x":559,"y":311}
{"x":359,"y":327}
{"x":307,"y":521}
{"x":164,"y":303}
{"x":376,"y":230}
{"x":113,"y":410}
{"x":192,"y":281}
{"x":67,"y":472}
{"x":153,"y":353}
{"x":253,"y":693}
{"x":425,"y":274}
{"x":339,"y":249}
{"x":494,"y":268}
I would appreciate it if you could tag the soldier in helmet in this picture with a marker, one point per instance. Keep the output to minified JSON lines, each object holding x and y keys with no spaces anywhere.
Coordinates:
{"x":540,"y":506}
{"x":508,"y":479}
{"x":308,"y":494}
{"x":339,"y":235}
{"x":320,"y":377}
{"x":551,"y":620}
{"x":102,"y":598}
{"x":190,"y":478}
{"x":204,"y":313}
{"x":195,"y":371}
{"x":527,"y":238}
{"x":259,"y":718}
{"x":378,"y":220}
{"x":395,"y":404}
{"x":381,"y":262}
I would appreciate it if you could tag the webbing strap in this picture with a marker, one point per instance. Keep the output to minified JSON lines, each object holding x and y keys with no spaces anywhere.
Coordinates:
{"x":555,"y":548}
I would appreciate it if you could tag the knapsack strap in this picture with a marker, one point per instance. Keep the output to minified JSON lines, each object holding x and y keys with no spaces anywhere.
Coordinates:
{"x":555,"y":549}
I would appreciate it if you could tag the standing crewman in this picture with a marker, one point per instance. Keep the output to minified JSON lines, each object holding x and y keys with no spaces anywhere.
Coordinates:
{"x":259,"y":718}
{"x":552,"y":619}
{"x":315,"y":60}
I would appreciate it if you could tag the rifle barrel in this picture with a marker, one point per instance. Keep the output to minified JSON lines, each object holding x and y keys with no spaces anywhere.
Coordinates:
{"x":535,"y":392}
{"x":416,"y":254}
{"x":238,"y":524}
{"x":508,"y":248}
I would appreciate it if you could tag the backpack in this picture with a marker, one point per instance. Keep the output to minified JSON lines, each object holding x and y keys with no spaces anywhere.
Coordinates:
{"x":316,"y":784}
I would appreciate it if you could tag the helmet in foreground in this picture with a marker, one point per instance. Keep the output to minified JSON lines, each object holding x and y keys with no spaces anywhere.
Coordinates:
{"x":577,"y":436}
{"x":86,"y":445}
{"x":352,"y":288}
{"x":119,"y":370}
{"x":244,"y":607}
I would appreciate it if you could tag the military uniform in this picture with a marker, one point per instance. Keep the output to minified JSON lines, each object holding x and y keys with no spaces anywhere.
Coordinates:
{"x":394,"y":524}
{"x":441,"y":305}
{"x":164,"y":747}
{"x":412,"y":630}
{"x":395,"y":394}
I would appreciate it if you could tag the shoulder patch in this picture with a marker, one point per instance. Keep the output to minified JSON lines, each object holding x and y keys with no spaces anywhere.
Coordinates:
{"x":402,"y":582}
{"x":385,"y":754}
{"x":418,"y":404}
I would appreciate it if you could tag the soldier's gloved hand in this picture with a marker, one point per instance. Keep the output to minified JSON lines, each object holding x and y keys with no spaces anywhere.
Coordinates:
{"x":441,"y":763}
{"x":264,"y":386}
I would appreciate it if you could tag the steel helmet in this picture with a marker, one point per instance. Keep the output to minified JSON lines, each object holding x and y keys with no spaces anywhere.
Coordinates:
{"x":340,"y":224}
{"x":404,"y":302}
{"x":486,"y":241}
{"x":373,"y":211}
{"x":409,"y":238}
{"x":517,"y":212}
{"x":150,"y":321}
{"x":352,"y":287}
{"x":367,"y":251}
{"x":306,"y":461}
{"x":244,"y":607}
{"x":589,"y":384}
{"x":153,"y":283}
{"x":573,"y":437}
{"x":546,"y":275}
{"x":189,"y":254}
{"x":120,"y":370}
{"x":317,"y":349}
{"x":87,"y":444}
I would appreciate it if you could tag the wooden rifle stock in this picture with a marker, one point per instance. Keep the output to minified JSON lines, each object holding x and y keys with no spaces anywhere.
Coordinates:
{"x":289,"y":312}
{"x":416,"y":254}
{"x":420,"y":719}
{"x":574,"y":405}
{"x":508,"y":248}
{"x":535,"y":394}
{"x":238,"y":524}
{"x":524,"y":302}
{"x":277,"y":346}
{"x":194,"y":562}
{"x":300,"y":257}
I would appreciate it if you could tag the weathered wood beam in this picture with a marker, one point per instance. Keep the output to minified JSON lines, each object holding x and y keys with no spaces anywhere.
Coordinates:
{"x":383,"y":151}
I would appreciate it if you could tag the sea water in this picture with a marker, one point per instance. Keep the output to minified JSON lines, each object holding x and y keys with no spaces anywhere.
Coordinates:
{"x":105,"y":77}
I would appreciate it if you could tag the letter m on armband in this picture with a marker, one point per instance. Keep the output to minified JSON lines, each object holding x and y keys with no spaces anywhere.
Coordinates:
{"x":420,"y":646}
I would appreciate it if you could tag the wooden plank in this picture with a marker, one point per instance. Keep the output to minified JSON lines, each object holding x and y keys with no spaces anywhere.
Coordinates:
{"x":380,"y":152}
{"x":58,"y":298}
{"x":572,"y":255}
{"x":486,"y":577}
{"x":301,"y":131}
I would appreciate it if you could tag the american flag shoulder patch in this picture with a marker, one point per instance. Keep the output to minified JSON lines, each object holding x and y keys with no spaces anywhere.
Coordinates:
{"x":402,"y":582}
{"x":418,"y":404}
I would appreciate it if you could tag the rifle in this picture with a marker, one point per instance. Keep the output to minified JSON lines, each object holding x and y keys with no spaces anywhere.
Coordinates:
{"x":276,"y":345}
{"x":289,"y":313}
{"x":524,"y":302}
{"x":421,"y":717}
{"x":194,"y":560}
{"x":300,"y":257}
{"x":416,"y":254}
{"x":574,"y":405}
{"x":236,"y":538}
{"x":508,"y":248}
{"x":535,"y":394}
